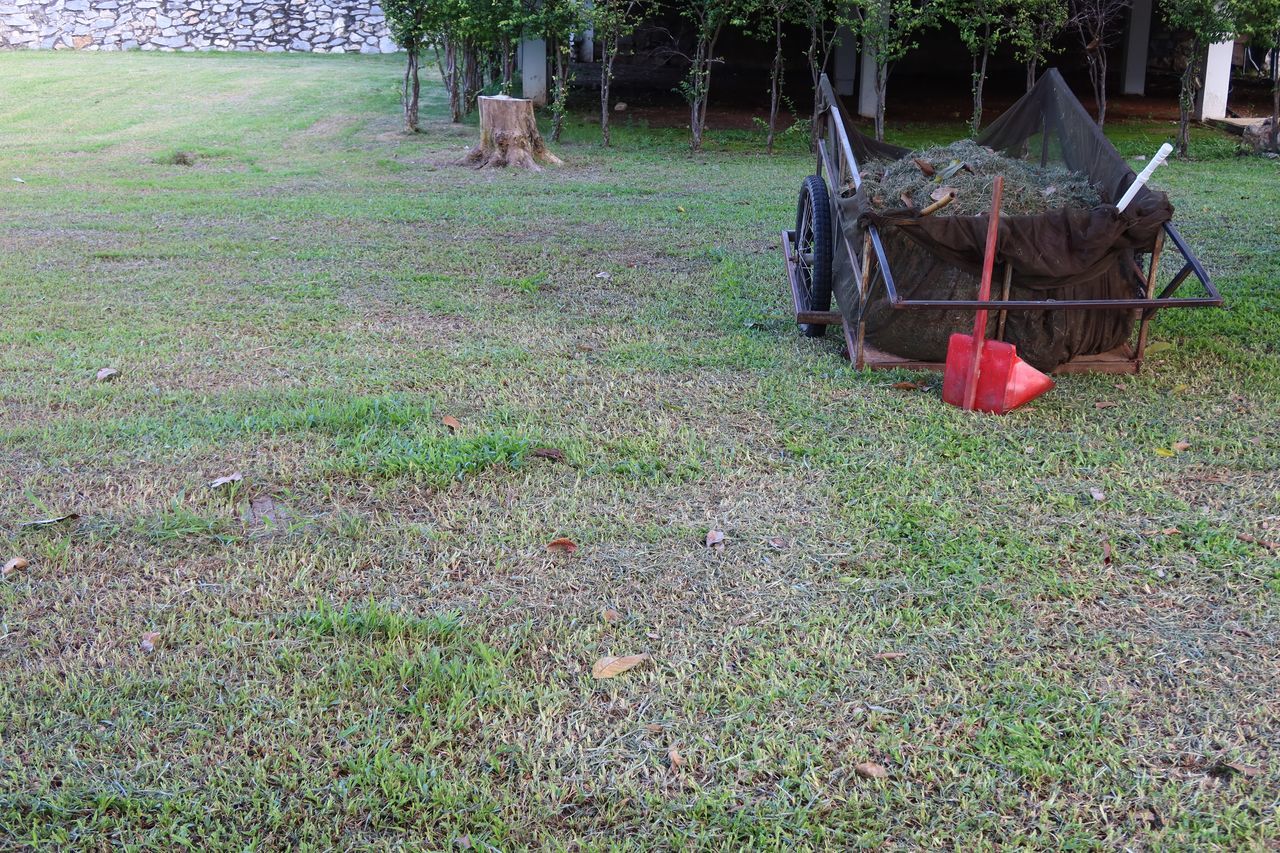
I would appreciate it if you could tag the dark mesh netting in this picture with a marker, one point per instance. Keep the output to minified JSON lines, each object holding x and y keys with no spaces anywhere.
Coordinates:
{"x":1061,"y":254}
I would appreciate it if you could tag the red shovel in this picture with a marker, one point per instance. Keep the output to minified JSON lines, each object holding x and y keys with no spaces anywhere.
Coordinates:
{"x":988,"y":375}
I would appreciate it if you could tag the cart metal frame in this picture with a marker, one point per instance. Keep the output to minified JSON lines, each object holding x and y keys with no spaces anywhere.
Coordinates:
{"x":839,"y":169}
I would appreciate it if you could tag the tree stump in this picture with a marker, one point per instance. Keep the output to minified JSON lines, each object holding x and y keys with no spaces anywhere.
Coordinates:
{"x":508,"y":136}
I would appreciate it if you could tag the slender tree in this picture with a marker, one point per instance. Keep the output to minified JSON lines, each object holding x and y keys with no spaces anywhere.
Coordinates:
{"x":983,"y":26}
{"x":767,"y":20}
{"x":888,"y":29}
{"x":613,"y":20}
{"x":558,"y":21}
{"x":1036,"y":24}
{"x":824,"y":20}
{"x":409,"y":22}
{"x":1260,"y":19}
{"x":1204,"y":22}
{"x":1096,"y":23}
{"x":708,"y":18}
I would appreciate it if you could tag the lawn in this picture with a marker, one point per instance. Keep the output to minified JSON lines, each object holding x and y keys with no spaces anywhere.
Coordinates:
{"x":1051,"y":630}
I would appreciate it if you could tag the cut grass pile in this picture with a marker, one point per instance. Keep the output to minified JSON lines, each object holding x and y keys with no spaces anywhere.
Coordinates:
{"x":968,"y":169}
{"x":1058,"y":629}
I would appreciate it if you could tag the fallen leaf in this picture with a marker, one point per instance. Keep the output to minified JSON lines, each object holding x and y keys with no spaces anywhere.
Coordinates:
{"x":1181,"y":389}
{"x":563,"y":544}
{"x":150,"y":641}
{"x":1164,"y":451}
{"x":777,"y":543}
{"x":451,"y":422}
{"x":548,"y":453}
{"x":942,"y":192}
{"x":233,"y":477}
{"x":925,"y":166}
{"x":106,"y":374}
{"x":680,"y":208}
{"x":17,"y":564}
{"x":1098,"y":495}
{"x":1171,"y":531}
{"x":1253,"y":540}
{"x":19,"y":181}
{"x":610,"y":615}
{"x":653,"y":728}
{"x":611,"y":665}
{"x":462,"y":842}
{"x":1049,"y":190}
{"x":1181,"y":446}
{"x":603,"y":275}
{"x":1106,"y":553}
{"x":715,"y":539}
{"x":870,"y":770}
{"x":890,"y":655}
{"x":906,"y":200}
{"x":907,"y":386}
{"x":1246,"y":770}
{"x":1104,"y":404}
{"x":263,"y":510}
{"x":45,"y":522}
{"x":676,"y":759}
{"x":1158,"y":346}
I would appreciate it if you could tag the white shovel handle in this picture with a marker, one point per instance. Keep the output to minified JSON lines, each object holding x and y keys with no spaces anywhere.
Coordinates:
{"x":1144,"y":175}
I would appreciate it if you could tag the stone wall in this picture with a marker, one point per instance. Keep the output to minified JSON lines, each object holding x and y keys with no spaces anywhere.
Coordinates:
{"x":323,"y":26}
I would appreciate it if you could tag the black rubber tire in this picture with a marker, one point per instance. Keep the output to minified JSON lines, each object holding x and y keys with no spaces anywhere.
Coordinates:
{"x":813,"y":239}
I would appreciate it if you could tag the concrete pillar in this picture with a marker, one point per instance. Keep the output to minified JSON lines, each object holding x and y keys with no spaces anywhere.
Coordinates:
{"x":844,"y":63}
{"x":1136,"y":41}
{"x":533,"y":70}
{"x":867,"y":86}
{"x":1212,"y":102}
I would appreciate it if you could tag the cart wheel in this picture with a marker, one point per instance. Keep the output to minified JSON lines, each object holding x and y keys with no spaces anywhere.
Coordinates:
{"x":813,"y":251}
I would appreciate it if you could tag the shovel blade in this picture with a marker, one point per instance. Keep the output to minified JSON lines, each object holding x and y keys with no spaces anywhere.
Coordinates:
{"x":1005,"y":381}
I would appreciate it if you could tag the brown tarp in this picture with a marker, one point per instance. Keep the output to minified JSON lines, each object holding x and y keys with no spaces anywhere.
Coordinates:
{"x":1062,"y":254}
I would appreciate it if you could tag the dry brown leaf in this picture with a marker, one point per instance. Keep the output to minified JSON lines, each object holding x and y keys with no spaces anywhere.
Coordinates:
{"x":870,"y":770}
{"x":653,"y":728}
{"x":715,"y":539}
{"x":942,"y":192}
{"x":233,"y":477}
{"x":150,"y":641}
{"x":906,"y":200}
{"x":263,"y":510}
{"x":1104,"y":404}
{"x":1181,"y":446}
{"x":610,"y":615}
{"x":1254,"y":540}
{"x":1246,"y":770}
{"x":45,"y":522}
{"x":777,"y":542}
{"x":676,"y":759}
{"x":17,"y":564}
{"x":107,"y":374}
{"x":548,"y":453}
{"x":908,"y":386}
{"x":1098,"y":495}
{"x":563,"y":544}
{"x":451,"y":422}
{"x":1106,"y":553}
{"x":611,"y":665}
{"x":890,"y":655}
{"x":1171,"y":531}
{"x":925,"y":166}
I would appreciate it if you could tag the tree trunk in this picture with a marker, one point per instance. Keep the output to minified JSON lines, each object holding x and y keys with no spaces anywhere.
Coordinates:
{"x":1098,"y":78}
{"x":1031,"y":74}
{"x":508,"y":64}
{"x":508,"y":137}
{"x":1186,"y":101}
{"x":411,"y":89}
{"x":882,"y":88}
{"x":452,"y":80}
{"x":608,"y":50}
{"x":1275,"y":96}
{"x":775,"y":81}
{"x":560,"y":102}
{"x":471,"y":76}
